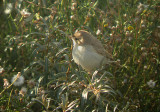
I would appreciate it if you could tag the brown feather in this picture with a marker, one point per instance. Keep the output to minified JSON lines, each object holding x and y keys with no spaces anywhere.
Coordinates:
{"x":97,"y":45}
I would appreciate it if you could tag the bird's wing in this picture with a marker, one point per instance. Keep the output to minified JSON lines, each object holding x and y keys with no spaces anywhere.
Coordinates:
{"x":97,"y":45}
{"x":100,"y":49}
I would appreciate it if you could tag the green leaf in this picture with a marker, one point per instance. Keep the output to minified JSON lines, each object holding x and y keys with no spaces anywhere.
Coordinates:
{"x":46,"y":64}
{"x":61,"y":51}
{"x":28,"y":19}
{"x":84,"y":96}
{"x":72,"y":104}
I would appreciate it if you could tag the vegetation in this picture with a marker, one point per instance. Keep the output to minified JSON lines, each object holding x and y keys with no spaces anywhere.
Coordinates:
{"x":36,"y":67}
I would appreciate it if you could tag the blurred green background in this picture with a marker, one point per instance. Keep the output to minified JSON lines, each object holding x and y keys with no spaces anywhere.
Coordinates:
{"x":34,"y":41}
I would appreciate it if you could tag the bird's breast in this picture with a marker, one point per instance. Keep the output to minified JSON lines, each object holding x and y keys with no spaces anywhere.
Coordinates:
{"x":87,"y":57}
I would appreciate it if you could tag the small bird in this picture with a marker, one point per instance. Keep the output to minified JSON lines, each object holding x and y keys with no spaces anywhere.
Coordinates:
{"x":88,"y":51}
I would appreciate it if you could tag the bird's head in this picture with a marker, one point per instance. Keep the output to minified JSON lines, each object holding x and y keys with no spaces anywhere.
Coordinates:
{"x":81,"y":37}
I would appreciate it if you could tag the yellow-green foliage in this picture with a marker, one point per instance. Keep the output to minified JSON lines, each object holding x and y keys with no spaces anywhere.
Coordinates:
{"x":36,"y":68}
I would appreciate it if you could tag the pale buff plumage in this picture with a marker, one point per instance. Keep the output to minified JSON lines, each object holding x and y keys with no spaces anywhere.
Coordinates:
{"x":88,"y":51}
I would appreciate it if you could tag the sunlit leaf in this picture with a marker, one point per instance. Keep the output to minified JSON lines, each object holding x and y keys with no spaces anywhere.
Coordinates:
{"x":29,"y":18}
{"x":84,"y":96}
{"x":72,"y":104}
{"x":61,"y":51}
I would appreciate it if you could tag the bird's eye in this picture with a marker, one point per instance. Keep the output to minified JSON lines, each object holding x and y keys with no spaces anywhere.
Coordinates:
{"x":76,"y":38}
